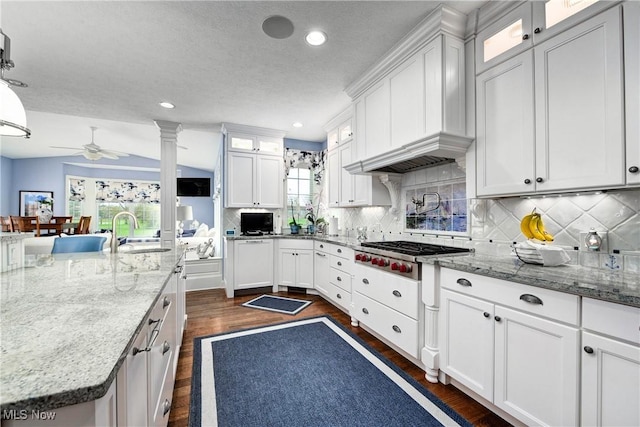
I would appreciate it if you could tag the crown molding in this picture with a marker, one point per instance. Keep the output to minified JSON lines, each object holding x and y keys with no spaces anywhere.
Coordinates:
{"x":443,"y":20}
{"x":252,"y":130}
{"x":339,"y":119}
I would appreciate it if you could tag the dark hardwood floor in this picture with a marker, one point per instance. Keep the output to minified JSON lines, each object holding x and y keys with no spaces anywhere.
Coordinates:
{"x":211,"y":312}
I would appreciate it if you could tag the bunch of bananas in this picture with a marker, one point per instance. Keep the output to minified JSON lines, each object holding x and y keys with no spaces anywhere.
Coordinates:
{"x":533,"y":228}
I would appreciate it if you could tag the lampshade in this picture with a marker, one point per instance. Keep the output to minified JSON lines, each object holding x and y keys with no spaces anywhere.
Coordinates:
{"x":184,"y":213}
{"x":13,"y":119}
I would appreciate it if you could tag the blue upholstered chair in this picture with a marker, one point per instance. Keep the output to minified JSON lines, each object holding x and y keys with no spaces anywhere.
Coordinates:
{"x":82,"y":243}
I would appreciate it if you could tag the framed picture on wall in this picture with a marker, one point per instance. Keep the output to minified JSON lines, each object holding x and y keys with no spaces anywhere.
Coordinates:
{"x":30,"y":201}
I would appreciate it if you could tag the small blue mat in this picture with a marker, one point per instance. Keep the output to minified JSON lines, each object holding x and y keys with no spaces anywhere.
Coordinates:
{"x":278,"y":304}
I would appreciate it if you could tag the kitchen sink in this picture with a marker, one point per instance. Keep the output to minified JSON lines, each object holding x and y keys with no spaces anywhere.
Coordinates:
{"x":145,"y":251}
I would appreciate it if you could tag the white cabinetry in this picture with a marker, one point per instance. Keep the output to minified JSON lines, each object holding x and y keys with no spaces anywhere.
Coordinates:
{"x":389,"y":305}
{"x":254,"y":167}
{"x":296,"y":263}
{"x":248,"y":264}
{"x":631,"y":14}
{"x":578,"y":132}
{"x":11,"y":251}
{"x":202,"y":273}
{"x":610,"y":364}
{"x":333,"y":273}
{"x":513,"y":345}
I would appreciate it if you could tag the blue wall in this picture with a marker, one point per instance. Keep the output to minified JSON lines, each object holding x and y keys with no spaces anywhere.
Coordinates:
{"x":298,"y":144}
{"x":48,"y":174}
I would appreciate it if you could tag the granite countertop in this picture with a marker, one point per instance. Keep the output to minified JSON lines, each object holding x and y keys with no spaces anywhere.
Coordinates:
{"x":14,"y":236}
{"x":608,"y":285}
{"x":351,"y":242}
{"x":68,"y":322}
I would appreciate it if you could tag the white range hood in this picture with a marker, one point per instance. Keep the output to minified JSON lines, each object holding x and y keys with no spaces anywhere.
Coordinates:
{"x":433,"y":150}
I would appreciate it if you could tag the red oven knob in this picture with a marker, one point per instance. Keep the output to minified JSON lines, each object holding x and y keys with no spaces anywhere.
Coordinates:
{"x":365,"y":258}
{"x":383,"y":262}
{"x":358,"y":257}
{"x":404,"y":268}
{"x":394,"y":266}
{"x":374,"y":261}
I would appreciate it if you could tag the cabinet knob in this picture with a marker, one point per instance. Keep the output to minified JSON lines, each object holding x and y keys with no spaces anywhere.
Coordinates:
{"x":165,"y":302}
{"x":339,"y":263}
{"x":633,"y":169}
{"x":527,"y":181}
{"x":339,"y":279}
{"x":539,"y":179}
{"x":498,"y":318}
{"x":396,"y":328}
{"x":486,"y":314}
{"x":538,"y":30}
{"x":339,"y":296}
{"x":151,"y":321}
{"x":463,"y":282}
{"x":365,"y":311}
{"x":588,"y":349}
{"x":165,"y":347}
{"x":525,"y":37}
{"x":397,"y":293}
{"x":339,"y":251}
{"x":365,"y":281}
{"x":166,"y":407}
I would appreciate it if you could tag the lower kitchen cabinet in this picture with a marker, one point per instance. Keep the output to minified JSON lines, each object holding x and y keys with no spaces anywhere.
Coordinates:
{"x":610,"y":364}
{"x":333,"y":273}
{"x":202,"y":273}
{"x":295,"y":267}
{"x":248,"y":264}
{"x":513,"y":345}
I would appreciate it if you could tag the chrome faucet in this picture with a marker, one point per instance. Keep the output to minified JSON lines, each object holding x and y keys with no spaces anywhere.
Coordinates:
{"x":114,"y":237}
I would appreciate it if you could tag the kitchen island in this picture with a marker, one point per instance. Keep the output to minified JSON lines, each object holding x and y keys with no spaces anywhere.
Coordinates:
{"x":69,"y":322}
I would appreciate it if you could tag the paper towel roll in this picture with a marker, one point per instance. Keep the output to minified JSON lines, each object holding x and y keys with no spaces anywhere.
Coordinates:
{"x":333,"y":226}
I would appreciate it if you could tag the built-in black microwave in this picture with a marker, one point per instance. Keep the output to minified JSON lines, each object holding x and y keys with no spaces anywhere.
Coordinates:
{"x":256,"y":223}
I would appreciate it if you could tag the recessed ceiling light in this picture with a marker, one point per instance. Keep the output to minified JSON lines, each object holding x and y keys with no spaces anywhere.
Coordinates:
{"x":315,"y":38}
{"x":297,"y":125}
{"x":167,"y":105}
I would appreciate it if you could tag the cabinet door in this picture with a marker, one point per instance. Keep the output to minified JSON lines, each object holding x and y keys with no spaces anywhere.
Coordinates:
{"x":505,"y":38}
{"x":376,"y":120}
{"x":304,"y":268}
{"x":253,"y":263}
{"x":466,"y":328}
{"x":632,"y":89}
{"x":269,"y":184}
{"x":579,"y":118}
{"x":610,"y":382}
{"x":346,"y":179}
{"x":241,"y":142}
{"x":287,"y":267}
{"x":407,"y":114}
{"x":321,"y":272}
{"x":345,"y":132}
{"x":240,"y":180}
{"x":269,"y":146}
{"x":505,"y":140}
{"x":536,"y":369}
{"x":333,"y":160}
{"x":132,"y":386}
{"x":553,"y":17}
{"x":333,"y":139}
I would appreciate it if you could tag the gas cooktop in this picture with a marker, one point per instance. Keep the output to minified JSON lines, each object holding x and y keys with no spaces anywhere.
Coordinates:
{"x":414,"y":248}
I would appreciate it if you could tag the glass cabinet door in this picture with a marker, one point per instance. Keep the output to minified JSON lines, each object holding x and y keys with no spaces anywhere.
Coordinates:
{"x":241,"y":143}
{"x":267,"y":145}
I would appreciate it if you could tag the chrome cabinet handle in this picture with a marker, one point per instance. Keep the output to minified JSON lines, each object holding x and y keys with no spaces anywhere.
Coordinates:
{"x":532,"y":299}
{"x":165,"y":302}
{"x":365,"y":281}
{"x":365,"y":311}
{"x":319,"y":254}
{"x":154,"y":335}
{"x":151,"y":321}
{"x":166,"y":407}
{"x":396,"y":328}
{"x":463,"y":282}
{"x":397,"y":293}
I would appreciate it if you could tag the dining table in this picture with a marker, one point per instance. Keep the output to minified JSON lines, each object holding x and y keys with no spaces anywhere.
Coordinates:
{"x":57,"y":228}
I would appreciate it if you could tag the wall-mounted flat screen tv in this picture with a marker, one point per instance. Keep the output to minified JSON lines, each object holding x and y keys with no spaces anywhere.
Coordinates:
{"x":194,"y":187}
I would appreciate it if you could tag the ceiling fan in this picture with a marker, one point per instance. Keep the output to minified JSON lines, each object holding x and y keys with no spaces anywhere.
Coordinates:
{"x":92,"y":151}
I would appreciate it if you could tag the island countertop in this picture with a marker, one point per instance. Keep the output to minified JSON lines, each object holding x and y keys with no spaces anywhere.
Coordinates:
{"x":608,"y":285}
{"x":67,"y":323}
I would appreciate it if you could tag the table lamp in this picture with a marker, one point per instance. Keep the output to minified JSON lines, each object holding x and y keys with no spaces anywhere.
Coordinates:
{"x":183,"y":213}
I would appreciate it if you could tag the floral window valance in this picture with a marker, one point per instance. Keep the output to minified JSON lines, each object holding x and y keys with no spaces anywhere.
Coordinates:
{"x":127,"y":191}
{"x":313,"y":160}
{"x":76,"y":190}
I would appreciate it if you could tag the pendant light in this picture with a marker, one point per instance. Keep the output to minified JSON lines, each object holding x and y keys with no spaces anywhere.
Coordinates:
{"x":13,"y":119}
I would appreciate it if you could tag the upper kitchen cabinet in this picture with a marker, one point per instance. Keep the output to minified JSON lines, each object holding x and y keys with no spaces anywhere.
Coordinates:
{"x":526,"y":25}
{"x":632,"y":89}
{"x":339,"y":130}
{"x":253,"y":167}
{"x":577,"y":121}
{"x":411,"y":104}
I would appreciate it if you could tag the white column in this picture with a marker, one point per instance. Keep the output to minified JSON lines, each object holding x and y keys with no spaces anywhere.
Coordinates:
{"x":168,"y":192}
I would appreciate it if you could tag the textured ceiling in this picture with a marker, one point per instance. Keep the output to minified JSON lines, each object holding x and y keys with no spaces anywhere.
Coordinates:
{"x":115,"y":60}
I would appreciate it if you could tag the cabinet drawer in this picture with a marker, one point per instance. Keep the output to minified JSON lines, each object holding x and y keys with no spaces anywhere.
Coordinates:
{"x":616,"y":320}
{"x":333,"y":249}
{"x":295,"y":243}
{"x":204,"y":266}
{"x":340,"y":279}
{"x":162,"y":406}
{"x":399,"y":329}
{"x":543,"y":302}
{"x":343,"y":264}
{"x":397,"y":292}
{"x":337,"y":295}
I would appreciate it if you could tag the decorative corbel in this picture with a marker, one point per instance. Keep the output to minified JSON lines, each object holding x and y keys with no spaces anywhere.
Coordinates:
{"x":393,"y":183}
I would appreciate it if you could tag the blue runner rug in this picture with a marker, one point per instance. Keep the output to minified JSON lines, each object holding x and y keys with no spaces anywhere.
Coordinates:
{"x":311,"y":372}
{"x":278,"y":304}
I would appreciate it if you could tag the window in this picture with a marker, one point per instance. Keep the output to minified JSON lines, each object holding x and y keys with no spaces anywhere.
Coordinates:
{"x":299,"y":193}
{"x":148,"y":218}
